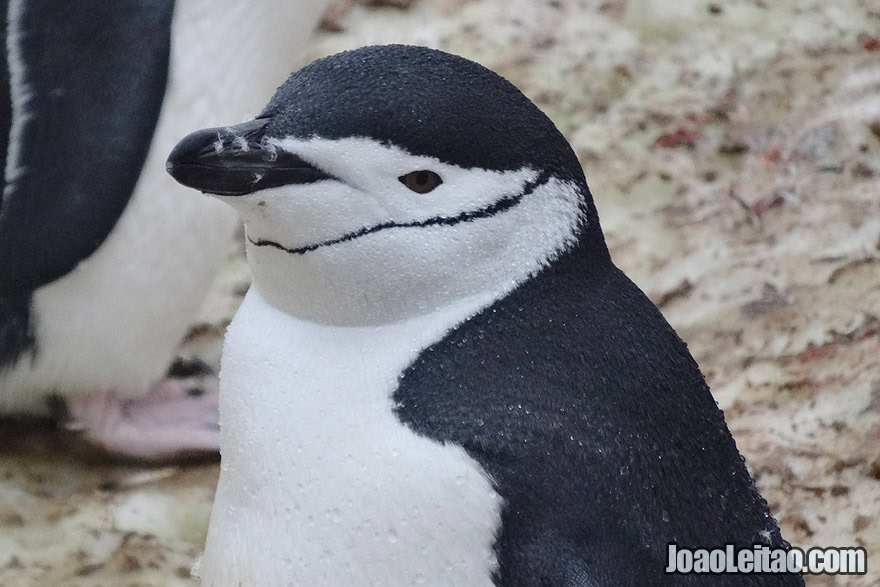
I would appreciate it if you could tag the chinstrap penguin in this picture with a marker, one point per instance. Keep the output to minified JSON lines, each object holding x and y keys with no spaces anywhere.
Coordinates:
{"x":104,"y":259}
{"x":439,"y":376}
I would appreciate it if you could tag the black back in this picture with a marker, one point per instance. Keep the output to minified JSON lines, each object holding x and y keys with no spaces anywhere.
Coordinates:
{"x":597,"y":428}
{"x":96,"y":75}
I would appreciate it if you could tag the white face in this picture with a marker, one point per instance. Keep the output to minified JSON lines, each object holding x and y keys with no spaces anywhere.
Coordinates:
{"x":366,"y":249}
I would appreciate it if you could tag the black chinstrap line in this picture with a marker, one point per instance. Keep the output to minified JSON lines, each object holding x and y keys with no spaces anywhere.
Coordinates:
{"x":501,"y":205}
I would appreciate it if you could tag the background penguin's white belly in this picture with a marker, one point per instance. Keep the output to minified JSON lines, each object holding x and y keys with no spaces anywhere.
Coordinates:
{"x":113,"y":322}
{"x":321,"y":484}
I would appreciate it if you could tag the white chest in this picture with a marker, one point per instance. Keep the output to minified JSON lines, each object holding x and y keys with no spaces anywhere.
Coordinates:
{"x":320,"y":483}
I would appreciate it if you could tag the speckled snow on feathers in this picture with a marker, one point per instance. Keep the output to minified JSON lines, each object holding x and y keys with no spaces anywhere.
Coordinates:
{"x":561,"y":381}
{"x":573,"y":392}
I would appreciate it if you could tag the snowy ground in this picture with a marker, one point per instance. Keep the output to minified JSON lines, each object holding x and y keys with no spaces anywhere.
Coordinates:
{"x":733,"y":149}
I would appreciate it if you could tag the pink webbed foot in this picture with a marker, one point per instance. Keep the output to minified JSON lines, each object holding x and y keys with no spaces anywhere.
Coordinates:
{"x":177,"y":419}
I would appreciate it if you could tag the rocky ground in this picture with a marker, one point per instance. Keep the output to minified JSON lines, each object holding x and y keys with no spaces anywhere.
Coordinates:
{"x":733,"y":150}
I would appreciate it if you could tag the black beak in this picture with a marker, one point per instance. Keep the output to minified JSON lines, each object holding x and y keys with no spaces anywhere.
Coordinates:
{"x":236,"y":160}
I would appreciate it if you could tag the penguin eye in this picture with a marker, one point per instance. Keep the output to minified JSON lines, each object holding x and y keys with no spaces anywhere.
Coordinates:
{"x":421,"y":182}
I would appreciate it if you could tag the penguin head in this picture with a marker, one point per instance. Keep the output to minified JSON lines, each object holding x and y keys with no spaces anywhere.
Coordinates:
{"x":388,"y":181}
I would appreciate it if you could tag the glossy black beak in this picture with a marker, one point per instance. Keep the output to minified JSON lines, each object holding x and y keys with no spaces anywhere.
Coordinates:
{"x":236,"y":160}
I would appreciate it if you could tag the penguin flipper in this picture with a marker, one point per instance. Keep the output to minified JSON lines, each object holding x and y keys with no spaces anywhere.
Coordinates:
{"x":86,"y":84}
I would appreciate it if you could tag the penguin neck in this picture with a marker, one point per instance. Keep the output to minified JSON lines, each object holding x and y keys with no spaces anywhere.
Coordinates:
{"x":364,"y":297}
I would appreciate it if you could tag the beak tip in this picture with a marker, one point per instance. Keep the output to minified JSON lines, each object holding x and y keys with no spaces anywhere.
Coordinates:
{"x":175,"y":166}
{"x":234,"y":161}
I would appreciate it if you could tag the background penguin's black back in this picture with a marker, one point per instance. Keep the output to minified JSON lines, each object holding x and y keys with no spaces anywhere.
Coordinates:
{"x":94,"y":76}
